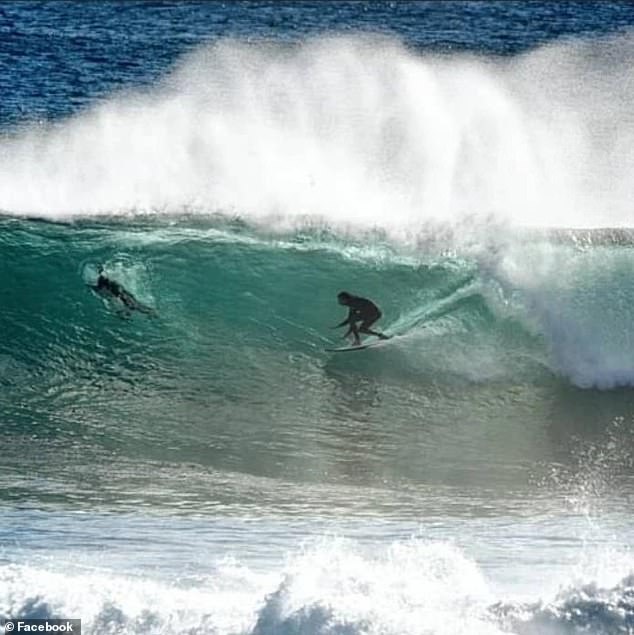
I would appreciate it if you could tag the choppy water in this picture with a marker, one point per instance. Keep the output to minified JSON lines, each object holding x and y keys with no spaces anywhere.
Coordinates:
{"x":213,"y":469}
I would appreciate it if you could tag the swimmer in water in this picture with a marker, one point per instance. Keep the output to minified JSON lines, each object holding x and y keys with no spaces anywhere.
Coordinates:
{"x":106,"y":286}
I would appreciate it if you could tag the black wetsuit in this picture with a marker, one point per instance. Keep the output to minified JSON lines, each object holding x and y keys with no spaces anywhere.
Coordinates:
{"x":364,"y":311}
{"x":116,"y":290}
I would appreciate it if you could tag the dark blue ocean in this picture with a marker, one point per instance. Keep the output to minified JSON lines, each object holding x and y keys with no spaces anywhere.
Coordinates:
{"x":207,"y":466}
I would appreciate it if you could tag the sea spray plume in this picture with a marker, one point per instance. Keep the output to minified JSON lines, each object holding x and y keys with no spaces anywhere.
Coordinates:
{"x":586,"y":113}
{"x":357,"y":131}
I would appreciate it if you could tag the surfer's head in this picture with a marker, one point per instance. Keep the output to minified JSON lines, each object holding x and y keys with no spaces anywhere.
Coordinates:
{"x":344,"y":297}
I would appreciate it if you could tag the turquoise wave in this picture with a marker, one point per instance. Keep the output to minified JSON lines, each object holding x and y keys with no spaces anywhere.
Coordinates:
{"x":223,"y":293}
{"x":231,"y":300}
{"x":232,"y":374}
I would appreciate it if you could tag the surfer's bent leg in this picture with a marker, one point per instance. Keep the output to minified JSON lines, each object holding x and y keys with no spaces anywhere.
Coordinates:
{"x":365,"y":328}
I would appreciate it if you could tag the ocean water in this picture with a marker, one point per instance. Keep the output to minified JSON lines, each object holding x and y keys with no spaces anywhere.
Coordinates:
{"x":212,"y":469}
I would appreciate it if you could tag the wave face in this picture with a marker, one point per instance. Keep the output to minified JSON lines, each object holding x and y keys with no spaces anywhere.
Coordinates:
{"x":231,"y":388}
{"x":358,"y":131}
{"x":541,"y":307}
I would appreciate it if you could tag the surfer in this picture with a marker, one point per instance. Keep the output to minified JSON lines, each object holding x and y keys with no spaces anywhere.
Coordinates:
{"x":360,"y":310}
{"x":106,"y":286}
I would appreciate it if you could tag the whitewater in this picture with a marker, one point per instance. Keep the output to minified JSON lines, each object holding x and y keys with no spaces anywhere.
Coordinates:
{"x":213,"y":469}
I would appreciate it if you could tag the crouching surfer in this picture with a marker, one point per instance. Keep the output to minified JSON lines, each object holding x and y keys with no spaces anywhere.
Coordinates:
{"x":360,"y":310}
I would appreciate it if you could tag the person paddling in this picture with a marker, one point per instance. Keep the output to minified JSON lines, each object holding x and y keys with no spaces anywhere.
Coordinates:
{"x":106,"y":286}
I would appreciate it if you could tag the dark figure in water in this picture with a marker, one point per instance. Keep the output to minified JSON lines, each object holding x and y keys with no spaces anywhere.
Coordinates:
{"x":361,"y":310}
{"x":106,"y":286}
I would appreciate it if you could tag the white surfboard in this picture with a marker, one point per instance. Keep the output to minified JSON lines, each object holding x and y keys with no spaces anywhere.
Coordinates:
{"x":360,"y":347}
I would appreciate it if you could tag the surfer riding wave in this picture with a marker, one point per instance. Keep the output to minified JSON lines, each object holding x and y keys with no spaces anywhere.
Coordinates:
{"x":360,"y":310}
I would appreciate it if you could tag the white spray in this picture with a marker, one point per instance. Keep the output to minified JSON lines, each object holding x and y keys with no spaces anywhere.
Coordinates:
{"x":351,"y":131}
